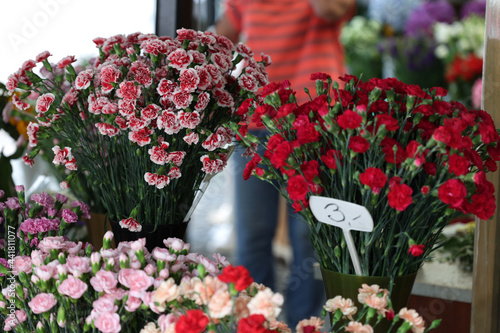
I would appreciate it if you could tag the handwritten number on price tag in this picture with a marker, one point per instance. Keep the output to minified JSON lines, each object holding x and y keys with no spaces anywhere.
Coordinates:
{"x":341,"y":213}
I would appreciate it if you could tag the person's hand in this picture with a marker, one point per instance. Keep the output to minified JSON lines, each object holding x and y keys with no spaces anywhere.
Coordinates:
{"x":332,"y":10}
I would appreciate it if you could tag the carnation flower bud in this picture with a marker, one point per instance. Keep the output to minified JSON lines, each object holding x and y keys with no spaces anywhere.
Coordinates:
{"x":61,"y":258}
{"x":95,"y":261}
{"x":108,"y":237}
{"x":40,"y":328}
{"x":123,"y":259}
{"x":61,"y":316}
{"x":62,"y":271}
{"x":150,"y":269}
{"x":20,"y":291}
{"x":164,"y":274}
{"x":110,"y":263}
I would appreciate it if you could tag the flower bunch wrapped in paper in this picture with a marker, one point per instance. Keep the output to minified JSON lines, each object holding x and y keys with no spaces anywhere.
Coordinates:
{"x":146,"y":121}
{"x":50,"y":283}
{"x":413,"y":160}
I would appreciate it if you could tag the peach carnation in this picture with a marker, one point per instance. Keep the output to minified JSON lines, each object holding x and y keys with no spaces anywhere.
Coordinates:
{"x":314,"y":322}
{"x":266,"y":303}
{"x":357,"y":327}
{"x":345,"y":305}
{"x":416,"y":321}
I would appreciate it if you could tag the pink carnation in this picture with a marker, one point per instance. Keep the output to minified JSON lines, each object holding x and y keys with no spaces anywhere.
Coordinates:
{"x":42,"y":302}
{"x":108,"y":322}
{"x":72,"y":287}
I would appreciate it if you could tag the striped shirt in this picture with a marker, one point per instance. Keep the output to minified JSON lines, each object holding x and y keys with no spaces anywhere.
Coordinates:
{"x":299,"y":42}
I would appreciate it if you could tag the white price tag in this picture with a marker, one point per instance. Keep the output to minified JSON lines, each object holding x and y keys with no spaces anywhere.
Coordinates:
{"x":345,"y":215}
{"x":342,"y":214}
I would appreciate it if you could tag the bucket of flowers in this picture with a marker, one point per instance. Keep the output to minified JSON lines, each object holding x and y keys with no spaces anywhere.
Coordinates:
{"x":147,"y":121}
{"x":50,"y":283}
{"x":411,"y":159}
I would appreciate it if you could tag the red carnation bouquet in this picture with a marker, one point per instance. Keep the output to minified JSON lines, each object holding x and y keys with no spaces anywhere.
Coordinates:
{"x":146,"y":121}
{"x":412,"y":159}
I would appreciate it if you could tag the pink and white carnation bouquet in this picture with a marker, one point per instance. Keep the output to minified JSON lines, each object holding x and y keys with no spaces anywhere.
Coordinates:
{"x":146,"y":121}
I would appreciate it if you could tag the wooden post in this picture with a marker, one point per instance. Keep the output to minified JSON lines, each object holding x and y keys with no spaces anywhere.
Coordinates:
{"x":485,"y":297}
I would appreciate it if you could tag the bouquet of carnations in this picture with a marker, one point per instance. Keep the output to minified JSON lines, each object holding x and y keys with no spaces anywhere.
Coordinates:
{"x":146,"y":121}
{"x":413,"y":160}
{"x":52,"y":284}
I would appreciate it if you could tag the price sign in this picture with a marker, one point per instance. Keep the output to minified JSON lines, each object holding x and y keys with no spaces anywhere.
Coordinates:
{"x":345,"y":215}
{"x":341,"y":213}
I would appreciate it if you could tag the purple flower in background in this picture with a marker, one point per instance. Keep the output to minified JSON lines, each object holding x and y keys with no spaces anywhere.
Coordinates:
{"x":424,"y":16}
{"x":473,"y":8}
{"x":2,"y":193}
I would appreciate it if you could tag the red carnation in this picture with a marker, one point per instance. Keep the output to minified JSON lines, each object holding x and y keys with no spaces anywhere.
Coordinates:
{"x":238,"y":275}
{"x":358,"y":144}
{"x":373,"y":178}
{"x":393,"y":151}
{"x":391,"y":123}
{"x":457,"y":164}
{"x":194,"y":321}
{"x":310,"y":169}
{"x":307,"y":134}
{"x":349,"y":120}
{"x":442,"y":107}
{"x":482,"y":184}
{"x":424,"y":109}
{"x":343,"y":96}
{"x":281,"y":154}
{"x":320,"y":76}
{"x":425,"y":189}
{"x":251,"y":165}
{"x":438,"y":91}
{"x":331,"y":157}
{"x":252,"y":324}
{"x":483,"y":205}
{"x":400,"y":196}
{"x":488,"y":132}
{"x":452,"y":192}
{"x":243,"y":109}
{"x":299,"y":206}
{"x":260,"y":111}
{"x":389,"y":315}
{"x":297,"y":188}
{"x":430,"y":168}
{"x":416,"y":250}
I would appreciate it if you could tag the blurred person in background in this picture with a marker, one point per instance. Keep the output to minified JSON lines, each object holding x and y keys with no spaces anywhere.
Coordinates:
{"x":302,"y":38}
